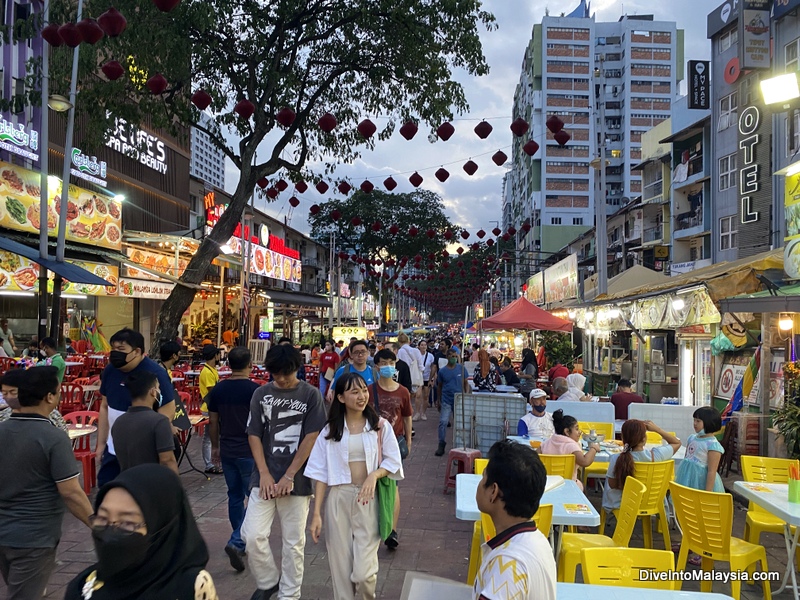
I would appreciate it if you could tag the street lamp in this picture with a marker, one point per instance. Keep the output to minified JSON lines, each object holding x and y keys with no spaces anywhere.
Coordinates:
{"x":600,"y":164}
{"x":781,"y":89}
{"x":59,"y":103}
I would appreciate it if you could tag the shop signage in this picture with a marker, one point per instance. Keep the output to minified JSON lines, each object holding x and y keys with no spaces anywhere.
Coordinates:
{"x":88,"y":168}
{"x":139,"y":145}
{"x":137,"y":288}
{"x":733,"y":369}
{"x":18,"y":139}
{"x":344,"y":290}
{"x":17,"y":273}
{"x":749,"y":173}
{"x":267,"y":263}
{"x":154,"y":261}
{"x":345,"y":333}
{"x":791,"y":248}
{"x":782,"y":7}
{"x":722,"y":16}
{"x":699,"y":79}
{"x":535,"y":291}
{"x":108,"y":272}
{"x":264,"y":237}
{"x":278,"y":245}
{"x":91,"y":218}
{"x":754,"y":44}
{"x":686,"y":267}
{"x":263,"y":234}
{"x":561,"y":280}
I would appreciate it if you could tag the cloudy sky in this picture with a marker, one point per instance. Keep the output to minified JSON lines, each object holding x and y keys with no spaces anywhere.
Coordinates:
{"x":473,"y":202}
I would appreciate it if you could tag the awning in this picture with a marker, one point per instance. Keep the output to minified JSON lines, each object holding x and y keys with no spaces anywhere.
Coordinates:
{"x":785,"y":299}
{"x":686,"y":132}
{"x":522,"y":314}
{"x":297,"y":299}
{"x":629,"y":279}
{"x":68,"y":271}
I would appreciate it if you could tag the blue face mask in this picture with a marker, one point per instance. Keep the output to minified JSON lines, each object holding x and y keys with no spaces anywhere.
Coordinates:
{"x":538,"y":409}
{"x":387,"y":371}
{"x":159,"y":399}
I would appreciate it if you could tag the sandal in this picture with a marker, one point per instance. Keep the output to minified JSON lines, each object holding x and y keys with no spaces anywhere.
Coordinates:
{"x":676,"y":548}
{"x":214,"y":470}
{"x":695,"y":560}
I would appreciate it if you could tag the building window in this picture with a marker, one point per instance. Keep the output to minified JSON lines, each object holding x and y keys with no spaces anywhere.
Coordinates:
{"x":577,"y":220}
{"x":728,"y":39}
{"x":727,"y":232}
{"x":727,"y":111}
{"x":792,"y":54}
{"x":792,"y":134}
{"x":727,"y":172}
{"x":555,"y":220}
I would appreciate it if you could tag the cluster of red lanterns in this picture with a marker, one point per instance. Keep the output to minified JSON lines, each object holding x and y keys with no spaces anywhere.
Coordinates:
{"x":111,"y":23}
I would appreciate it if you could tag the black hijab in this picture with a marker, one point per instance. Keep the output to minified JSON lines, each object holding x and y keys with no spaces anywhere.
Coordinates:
{"x":177,"y":553}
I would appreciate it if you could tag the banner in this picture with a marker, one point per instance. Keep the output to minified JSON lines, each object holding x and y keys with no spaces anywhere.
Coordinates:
{"x":561,"y":280}
{"x":19,"y":274}
{"x":699,"y":84}
{"x":791,"y":249}
{"x":91,"y":218}
{"x":154,"y":261}
{"x":754,"y":46}
{"x":108,"y":272}
{"x":137,"y":288}
{"x":535,"y":291}
{"x":267,"y":263}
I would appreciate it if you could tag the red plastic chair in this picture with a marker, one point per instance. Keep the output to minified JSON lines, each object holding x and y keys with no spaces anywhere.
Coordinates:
{"x":71,"y":398}
{"x":82,"y":446}
{"x":6,"y":364}
{"x":260,"y":381}
{"x":192,"y":404}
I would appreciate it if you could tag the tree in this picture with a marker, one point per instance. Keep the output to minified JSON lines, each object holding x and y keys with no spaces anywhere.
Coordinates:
{"x":350,"y":58}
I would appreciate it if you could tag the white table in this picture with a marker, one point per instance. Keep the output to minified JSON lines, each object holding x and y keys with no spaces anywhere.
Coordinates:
{"x":76,"y":431}
{"x":582,"y":591}
{"x":776,"y":502}
{"x":73,"y":364}
{"x":98,"y":356}
{"x":604,"y":455}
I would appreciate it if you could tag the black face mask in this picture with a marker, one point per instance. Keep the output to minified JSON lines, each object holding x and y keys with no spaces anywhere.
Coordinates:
{"x":538,"y":409}
{"x":118,"y":358}
{"x":118,"y":551}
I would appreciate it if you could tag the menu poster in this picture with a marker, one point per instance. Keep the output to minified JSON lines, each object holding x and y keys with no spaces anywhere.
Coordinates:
{"x":577,"y":509}
{"x":535,"y":291}
{"x":267,"y":263}
{"x":92,"y":218}
{"x":108,"y":272}
{"x":17,"y":273}
{"x":135,"y":288}
{"x":155,"y":262}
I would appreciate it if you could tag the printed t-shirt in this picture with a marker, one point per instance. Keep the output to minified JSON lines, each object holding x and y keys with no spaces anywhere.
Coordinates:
{"x":452,"y":382}
{"x":539,"y":426}
{"x":394,"y":406}
{"x":209,"y":377}
{"x":140,"y":434}
{"x":281,"y":419}
{"x":112,"y":386}
{"x":56,"y":361}
{"x":327,"y":360}
{"x":230,"y":399}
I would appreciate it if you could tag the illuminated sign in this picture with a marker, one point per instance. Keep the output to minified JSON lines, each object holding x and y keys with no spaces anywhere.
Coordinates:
{"x":273,"y":242}
{"x":263,"y":234}
{"x":208,"y":200}
{"x":89,"y":168}
{"x":17,"y":139}
{"x":749,"y":173}
{"x":139,"y":145}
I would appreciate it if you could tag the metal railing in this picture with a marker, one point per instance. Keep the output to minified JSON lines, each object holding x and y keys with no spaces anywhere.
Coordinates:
{"x":688,"y":220}
{"x":651,"y":234}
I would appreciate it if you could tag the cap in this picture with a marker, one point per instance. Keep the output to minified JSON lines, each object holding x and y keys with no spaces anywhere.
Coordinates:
{"x":537,"y":393}
{"x":210,"y":351}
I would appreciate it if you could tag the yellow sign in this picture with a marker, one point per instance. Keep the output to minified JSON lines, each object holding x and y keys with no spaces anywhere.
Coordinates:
{"x":18,"y":273}
{"x":345,"y":333}
{"x":791,"y":202}
{"x":661,"y":252}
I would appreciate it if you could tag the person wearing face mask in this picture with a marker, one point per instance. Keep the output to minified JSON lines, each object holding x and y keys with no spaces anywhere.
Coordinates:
{"x":452,"y":380}
{"x":126,"y":358}
{"x":147,"y":542}
{"x":142,"y":435}
{"x":40,"y":480}
{"x":538,"y":422}
{"x":393,"y":403}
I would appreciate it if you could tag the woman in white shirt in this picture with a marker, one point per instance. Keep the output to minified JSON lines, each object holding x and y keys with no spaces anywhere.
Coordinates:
{"x":348,"y":458}
{"x":428,"y":374}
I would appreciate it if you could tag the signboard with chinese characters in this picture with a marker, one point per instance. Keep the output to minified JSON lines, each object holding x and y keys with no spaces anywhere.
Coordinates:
{"x":89,"y":168}
{"x":138,"y":288}
{"x":18,"y":139}
{"x":699,"y":81}
{"x":148,"y":149}
{"x":91,"y":218}
{"x":754,"y":43}
{"x":561,"y":280}
{"x":535,"y":291}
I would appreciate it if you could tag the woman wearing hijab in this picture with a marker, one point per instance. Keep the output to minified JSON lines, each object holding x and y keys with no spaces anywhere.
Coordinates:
{"x":576,"y":381}
{"x":485,"y":376}
{"x":147,"y":542}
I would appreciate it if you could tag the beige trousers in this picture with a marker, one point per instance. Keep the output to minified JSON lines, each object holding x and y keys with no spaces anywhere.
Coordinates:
{"x":352,"y":540}
{"x":257,"y":525}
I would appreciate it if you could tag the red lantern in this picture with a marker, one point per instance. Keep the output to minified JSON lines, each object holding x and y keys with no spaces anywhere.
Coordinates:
{"x":483,"y":129}
{"x":554,"y":124}
{"x":496,"y":231}
{"x":157,"y":84}
{"x":113,"y":70}
{"x":442,"y":174}
{"x":336,"y":215}
{"x":415,"y":179}
{"x":90,"y":31}
{"x":519,"y":127}
{"x":562,"y":137}
{"x":50,"y":35}
{"x":481,"y":233}
{"x":356,"y":221}
{"x":431,"y":233}
{"x":394,"y":230}
{"x":412,"y":232}
{"x":244,"y":108}
{"x":377,"y":226}
{"x":470,"y":167}
{"x":526,"y":227}
{"x":201,"y":99}
{"x":445,"y":131}
{"x":512,"y":230}
{"x":272,"y":193}
{"x":505,"y":237}
{"x":282,"y":185}
{"x":322,"y":187}
{"x":301,"y":186}
{"x":448,"y":235}
{"x":71,"y":35}
{"x":262,"y":183}
{"x":112,"y":22}
{"x":366,"y":186}
{"x":405,"y":276}
{"x":166,"y":5}
{"x":366,"y":128}
{"x":464,"y":234}
{"x":499,"y":158}
{"x":344,"y":188}
{"x":530,"y":148}
{"x":315,"y":209}
{"x":285,"y":116}
{"x":409,"y":130}
{"x":460,"y":250}
{"x":327,"y":122}
{"x":294,"y":201}
{"x":389,"y":183}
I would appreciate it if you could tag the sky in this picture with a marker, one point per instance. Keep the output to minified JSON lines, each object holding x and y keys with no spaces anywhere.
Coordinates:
{"x":474,"y":202}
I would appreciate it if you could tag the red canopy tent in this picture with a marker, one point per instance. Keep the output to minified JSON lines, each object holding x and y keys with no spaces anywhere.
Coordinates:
{"x":522,"y":314}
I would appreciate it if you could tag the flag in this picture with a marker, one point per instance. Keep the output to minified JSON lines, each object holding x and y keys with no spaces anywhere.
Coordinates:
{"x":744,"y":388}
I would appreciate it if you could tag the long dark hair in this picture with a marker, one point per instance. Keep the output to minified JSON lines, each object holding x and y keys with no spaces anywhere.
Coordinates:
{"x":562,"y":421}
{"x":337,"y":411}
{"x":634,"y":432}
{"x":528,"y":357}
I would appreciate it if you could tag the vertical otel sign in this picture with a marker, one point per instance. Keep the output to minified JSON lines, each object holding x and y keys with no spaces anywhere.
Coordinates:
{"x":749,"y":173}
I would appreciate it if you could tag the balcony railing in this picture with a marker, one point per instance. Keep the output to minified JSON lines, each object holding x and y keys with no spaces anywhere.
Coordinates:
{"x":653,"y":234}
{"x":688,"y":220}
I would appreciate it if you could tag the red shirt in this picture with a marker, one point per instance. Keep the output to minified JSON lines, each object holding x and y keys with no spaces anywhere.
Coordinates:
{"x":621,"y":402}
{"x":327,"y":360}
{"x":558,"y":371}
{"x":394,"y":406}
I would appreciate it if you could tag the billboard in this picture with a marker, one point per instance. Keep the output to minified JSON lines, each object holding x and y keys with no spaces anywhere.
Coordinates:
{"x":699,"y":84}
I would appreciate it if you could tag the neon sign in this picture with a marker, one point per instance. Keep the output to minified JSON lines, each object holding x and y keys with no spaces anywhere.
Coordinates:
{"x":749,"y":173}
{"x":19,"y":140}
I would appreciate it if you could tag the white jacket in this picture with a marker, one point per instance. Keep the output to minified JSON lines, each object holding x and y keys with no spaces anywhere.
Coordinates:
{"x":328,"y":462}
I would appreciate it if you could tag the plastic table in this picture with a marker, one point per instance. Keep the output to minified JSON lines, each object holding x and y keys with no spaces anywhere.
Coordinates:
{"x":581,"y":591}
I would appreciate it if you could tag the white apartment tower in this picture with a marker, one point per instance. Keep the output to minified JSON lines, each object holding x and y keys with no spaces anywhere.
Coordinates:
{"x":208,"y":161}
{"x":571,"y":64}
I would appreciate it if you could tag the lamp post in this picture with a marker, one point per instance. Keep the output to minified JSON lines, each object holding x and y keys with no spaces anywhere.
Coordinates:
{"x":44,"y":144}
{"x":601,"y":234}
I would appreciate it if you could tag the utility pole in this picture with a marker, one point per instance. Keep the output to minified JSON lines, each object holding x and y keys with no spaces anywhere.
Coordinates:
{"x":601,"y":233}
{"x":44,"y":145}
{"x":330,"y":283}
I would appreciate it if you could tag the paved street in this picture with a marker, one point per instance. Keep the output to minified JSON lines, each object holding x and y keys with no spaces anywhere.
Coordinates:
{"x":431,"y":538}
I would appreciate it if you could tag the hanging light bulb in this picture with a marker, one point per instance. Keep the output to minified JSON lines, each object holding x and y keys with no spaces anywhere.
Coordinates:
{"x":613,"y":313}
{"x":572,"y":314}
{"x":590,"y":314}
{"x":786,"y":322}
{"x":678,"y":304}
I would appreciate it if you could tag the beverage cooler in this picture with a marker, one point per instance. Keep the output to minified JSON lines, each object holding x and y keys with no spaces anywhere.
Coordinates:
{"x":695,"y":378}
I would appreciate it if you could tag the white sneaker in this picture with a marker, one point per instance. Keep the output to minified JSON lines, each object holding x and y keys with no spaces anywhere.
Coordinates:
{"x":415,"y":417}
{"x":424,"y":417}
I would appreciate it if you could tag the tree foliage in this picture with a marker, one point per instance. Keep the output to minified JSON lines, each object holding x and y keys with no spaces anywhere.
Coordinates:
{"x":352,"y":58}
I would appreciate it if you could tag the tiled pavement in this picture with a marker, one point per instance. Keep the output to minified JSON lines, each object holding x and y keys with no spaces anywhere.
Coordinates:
{"x":431,"y":538}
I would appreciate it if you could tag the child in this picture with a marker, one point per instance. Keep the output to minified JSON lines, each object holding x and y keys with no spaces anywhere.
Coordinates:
{"x":567,"y":441}
{"x":538,"y":422}
{"x":349,"y":458}
{"x":621,"y":466}
{"x":703,"y":453}
{"x":142,"y":435}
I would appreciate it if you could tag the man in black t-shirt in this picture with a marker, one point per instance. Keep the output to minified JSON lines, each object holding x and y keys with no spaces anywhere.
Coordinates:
{"x":228,"y":413}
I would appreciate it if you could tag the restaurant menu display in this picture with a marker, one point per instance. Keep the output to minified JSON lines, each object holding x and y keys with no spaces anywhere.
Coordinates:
{"x":92,"y":218}
{"x":20,"y":274}
{"x":155,"y":262}
{"x":267,"y":263}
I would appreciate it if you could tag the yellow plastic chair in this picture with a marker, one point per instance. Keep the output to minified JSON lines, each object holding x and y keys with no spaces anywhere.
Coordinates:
{"x":623,"y":566}
{"x":607,"y":429}
{"x":543,"y":519}
{"x":559,"y":464}
{"x":480,"y":465}
{"x":655,"y":438}
{"x":656,"y":476}
{"x":706,"y":519}
{"x":573,"y":543}
{"x":598,"y":469}
{"x":475,"y":552}
{"x":765,"y":470}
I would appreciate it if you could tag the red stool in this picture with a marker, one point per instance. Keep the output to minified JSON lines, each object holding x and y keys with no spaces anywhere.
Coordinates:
{"x":465,"y":463}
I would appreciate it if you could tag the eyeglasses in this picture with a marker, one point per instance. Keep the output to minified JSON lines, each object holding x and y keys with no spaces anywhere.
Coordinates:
{"x":100,"y":523}
{"x":359,"y":353}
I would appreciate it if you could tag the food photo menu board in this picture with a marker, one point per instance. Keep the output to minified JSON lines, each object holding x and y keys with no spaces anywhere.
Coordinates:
{"x":19,"y":274}
{"x":267,"y":263}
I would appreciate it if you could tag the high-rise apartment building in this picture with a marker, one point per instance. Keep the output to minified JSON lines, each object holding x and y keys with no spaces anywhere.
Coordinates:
{"x":208,"y":161}
{"x":572,"y":64}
